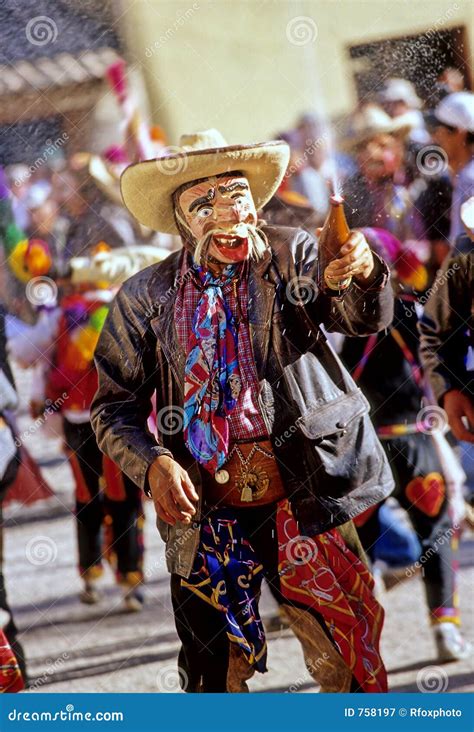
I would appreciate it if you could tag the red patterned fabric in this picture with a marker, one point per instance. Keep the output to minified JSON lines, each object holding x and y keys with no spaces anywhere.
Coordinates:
{"x":321,"y":572}
{"x":245,"y":421}
{"x":29,"y":485}
{"x":11,"y":679}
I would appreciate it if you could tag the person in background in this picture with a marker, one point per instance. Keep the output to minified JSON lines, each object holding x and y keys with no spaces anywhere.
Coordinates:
{"x":63,"y":341}
{"x":399,"y":99}
{"x":387,"y":369}
{"x":376,"y":196}
{"x":453,"y":121}
{"x":433,"y":202}
{"x":447,"y":335}
{"x":12,"y":658}
{"x":450,"y":80}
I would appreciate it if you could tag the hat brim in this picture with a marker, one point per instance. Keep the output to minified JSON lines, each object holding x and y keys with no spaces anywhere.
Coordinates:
{"x":351,"y":142}
{"x":148,"y":187}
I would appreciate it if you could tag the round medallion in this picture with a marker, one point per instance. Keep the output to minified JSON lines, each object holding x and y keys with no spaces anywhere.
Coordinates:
{"x":222,"y":476}
{"x":253,"y":484}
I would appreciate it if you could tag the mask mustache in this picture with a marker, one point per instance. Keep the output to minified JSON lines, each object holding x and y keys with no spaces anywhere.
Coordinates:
{"x":258,"y":243}
{"x":241,"y":230}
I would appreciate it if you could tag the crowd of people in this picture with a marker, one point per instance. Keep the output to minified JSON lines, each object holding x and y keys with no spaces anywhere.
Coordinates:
{"x":405,"y":169}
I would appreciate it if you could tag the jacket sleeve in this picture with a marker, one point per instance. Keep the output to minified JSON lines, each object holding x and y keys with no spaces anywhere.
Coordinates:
{"x":361,"y":311}
{"x":444,"y":327}
{"x":126,"y":367}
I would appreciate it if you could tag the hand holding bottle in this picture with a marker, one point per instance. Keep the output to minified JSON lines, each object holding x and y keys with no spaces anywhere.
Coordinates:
{"x":355,"y":261}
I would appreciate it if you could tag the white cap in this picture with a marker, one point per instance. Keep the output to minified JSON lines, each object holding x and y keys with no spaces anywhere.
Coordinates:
{"x":400,"y":90}
{"x":457,"y":110}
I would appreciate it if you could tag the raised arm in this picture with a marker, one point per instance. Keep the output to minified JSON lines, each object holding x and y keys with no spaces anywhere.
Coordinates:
{"x":366,"y":307}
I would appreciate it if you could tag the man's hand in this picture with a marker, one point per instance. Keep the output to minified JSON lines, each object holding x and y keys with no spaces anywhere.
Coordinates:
{"x":357,"y":261}
{"x":458,"y":405}
{"x":173,"y":493}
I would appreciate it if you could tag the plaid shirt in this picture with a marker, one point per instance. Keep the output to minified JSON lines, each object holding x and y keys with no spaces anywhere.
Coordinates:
{"x":245,"y":420}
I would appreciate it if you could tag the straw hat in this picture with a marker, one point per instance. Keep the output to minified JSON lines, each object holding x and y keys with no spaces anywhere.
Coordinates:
{"x":147,"y":187}
{"x":372,"y":121}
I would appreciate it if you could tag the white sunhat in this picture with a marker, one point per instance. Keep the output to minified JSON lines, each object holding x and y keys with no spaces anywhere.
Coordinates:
{"x":457,"y":110}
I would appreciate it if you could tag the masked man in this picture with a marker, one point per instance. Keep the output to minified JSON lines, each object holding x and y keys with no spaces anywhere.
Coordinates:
{"x":265,"y":447}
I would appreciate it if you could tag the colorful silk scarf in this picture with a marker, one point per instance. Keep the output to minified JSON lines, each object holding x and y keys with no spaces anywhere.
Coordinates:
{"x":212,"y":381}
{"x":318,"y":572}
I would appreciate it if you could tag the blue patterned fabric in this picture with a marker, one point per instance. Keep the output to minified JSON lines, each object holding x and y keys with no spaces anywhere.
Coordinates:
{"x":228,"y":576}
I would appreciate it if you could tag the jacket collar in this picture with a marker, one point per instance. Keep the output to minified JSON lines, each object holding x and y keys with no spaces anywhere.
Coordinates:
{"x":169,"y":279}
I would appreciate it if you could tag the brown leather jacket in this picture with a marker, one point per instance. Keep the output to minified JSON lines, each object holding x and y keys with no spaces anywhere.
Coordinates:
{"x":329,"y":456}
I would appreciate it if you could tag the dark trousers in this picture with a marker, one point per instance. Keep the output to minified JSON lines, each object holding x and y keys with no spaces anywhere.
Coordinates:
{"x":125,"y":514}
{"x":413,"y":458}
{"x":205,"y":652}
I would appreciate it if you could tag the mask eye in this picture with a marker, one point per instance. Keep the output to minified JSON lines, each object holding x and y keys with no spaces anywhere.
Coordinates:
{"x":205,"y":212}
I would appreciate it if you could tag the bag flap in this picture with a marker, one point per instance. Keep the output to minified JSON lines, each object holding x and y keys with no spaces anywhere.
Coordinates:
{"x":333,"y":416}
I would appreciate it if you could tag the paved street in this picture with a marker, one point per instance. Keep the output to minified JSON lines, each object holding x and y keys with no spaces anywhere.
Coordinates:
{"x":73,"y":647}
